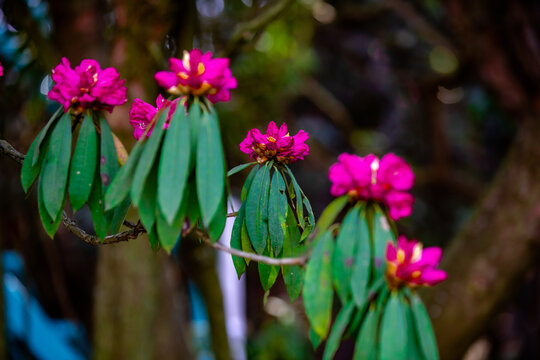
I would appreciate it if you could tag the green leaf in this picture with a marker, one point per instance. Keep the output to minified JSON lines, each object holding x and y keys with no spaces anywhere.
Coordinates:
{"x":257,"y":208}
{"x":148,"y":156}
{"x":413,"y":341}
{"x":330,"y":214}
{"x":344,"y":254}
{"x":154,"y":240}
{"x":277,"y":212}
{"x":215,"y":229}
{"x":247,"y":183}
{"x":210,"y":167}
{"x":83,"y":164}
{"x":393,"y":333}
{"x":35,"y":153}
{"x":108,"y":156}
{"x":168,"y":234}
{"x":119,"y":188}
{"x":366,"y":343}
{"x":95,"y":203}
{"x":239,"y":168}
{"x":314,"y":338}
{"x":362,"y":263}
{"x":424,"y":330}
{"x":193,"y":211}
{"x":119,"y":214}
{"x":174,"y":165}
{"x":147,"y":205}
{"x":382,"y":235}
{"x":307,"y":205}
{"x":50,"y":225}
{"x":194,"y":116}
{"x":236,"y":241}
{"x":56,"y":167}
{"x":318,"y":293}
{"x":342,"y":320}
{"x":29,"y":172}
{"x":293,"y":275}
{"x":299,"y":199}
{"x":246,"y":242}
{"x":373,"y":290}
{"x":268,"y":273}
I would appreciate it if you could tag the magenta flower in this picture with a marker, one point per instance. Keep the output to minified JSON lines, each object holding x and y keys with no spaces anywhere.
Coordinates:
{"x":411,"y":265}
{"x":198,"y":74}
{"x":275,"y":144}
{"x":1,"y":70}
{"x":87,"y":86}
{"x":386,"y":181}
{"x":142,"y":114}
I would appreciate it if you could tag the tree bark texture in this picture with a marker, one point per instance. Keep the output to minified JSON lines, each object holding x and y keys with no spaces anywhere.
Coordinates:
{"x":492,"y":253}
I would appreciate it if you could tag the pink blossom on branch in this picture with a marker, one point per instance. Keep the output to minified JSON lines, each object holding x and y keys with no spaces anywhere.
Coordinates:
{"x":409,"y":264}
{"x":87,"y":86}
{"x":142,"y":114}
{"x":386,"y":180}
{"x":198,"y":74}
{"x":275,"y":144}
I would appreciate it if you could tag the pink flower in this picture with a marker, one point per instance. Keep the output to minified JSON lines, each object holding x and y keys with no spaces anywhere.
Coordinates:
{"x":411,"y":265}
{"x":87,"y":86}
{"x":198,"y":74}
{"x":386,"y":181}
{"x":1,"y":70}
{"x":142,"y":114}
{"x":276,"y":143}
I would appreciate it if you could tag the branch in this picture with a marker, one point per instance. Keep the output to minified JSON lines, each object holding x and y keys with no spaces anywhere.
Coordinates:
{"x":251,"y":256}
{"x":137,"y":229}
{"x":246,"y":31}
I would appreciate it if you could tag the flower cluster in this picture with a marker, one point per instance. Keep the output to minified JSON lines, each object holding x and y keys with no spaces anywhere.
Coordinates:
{"x":87,"y":86}
{"x":275,"y":144}
{"x":142,"y":114}
{"x":198,"y":74}
{"x":386,"y":180}
{"x":410,"y":264}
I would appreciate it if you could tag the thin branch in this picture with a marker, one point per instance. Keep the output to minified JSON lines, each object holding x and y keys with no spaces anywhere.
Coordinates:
{"x":246,"y":31}
{"x":251,"y":256}
{"x":136,"y":229}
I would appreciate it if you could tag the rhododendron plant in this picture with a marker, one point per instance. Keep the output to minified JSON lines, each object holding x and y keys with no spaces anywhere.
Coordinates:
{"x":386,"y":180}
{"x":87,"y":86}
{"x":198,"y":74}
{"x":275,"y":144}
{"x":142,"y":114}
{"x":409,"y":264}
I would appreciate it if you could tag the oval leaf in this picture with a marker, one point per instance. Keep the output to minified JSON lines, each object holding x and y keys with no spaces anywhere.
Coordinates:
{"x":277,"y":212}
{"x":239,"y":168}
{"x":174,"y":165}
{"x":148,"y":156}
{"x":83,"y":164}
{"x":108,"y":157}
{"x":382,"y":234}
{"x":424,"y":330}
{"x":35,"y":154}
{"x":236,"y":241}
{"x":56,"y":167}
{"x":362,"y":263}
{"x":318,"y":293}
{"x":342,"y":320}
{"x":268,"y":273}
{"x":344,"y":254}
{"x":393,"y":333}
{"x":293,"y":276}
{"x":330,"y":214}
{"x":50,"y":225}
{"x":366,"y":343}
{"x":257,"y":209}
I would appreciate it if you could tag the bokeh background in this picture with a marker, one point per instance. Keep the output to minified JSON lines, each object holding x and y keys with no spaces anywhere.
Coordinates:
{"x":451,"y":86}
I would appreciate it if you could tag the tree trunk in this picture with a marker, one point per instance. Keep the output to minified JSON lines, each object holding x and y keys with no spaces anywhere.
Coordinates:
{"x":490,"y":256}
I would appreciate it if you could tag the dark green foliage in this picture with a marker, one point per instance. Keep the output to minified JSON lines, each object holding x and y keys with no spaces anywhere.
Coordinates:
{"x":342,"y":320}
{"x":257,"y":208}
{"x":293,"y":275}
{"x":210,"y":167}
{"x":56,"y":167}
{"x":317,"y":292}
{"x":174,"y":165}
{"x":83,"y":164}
